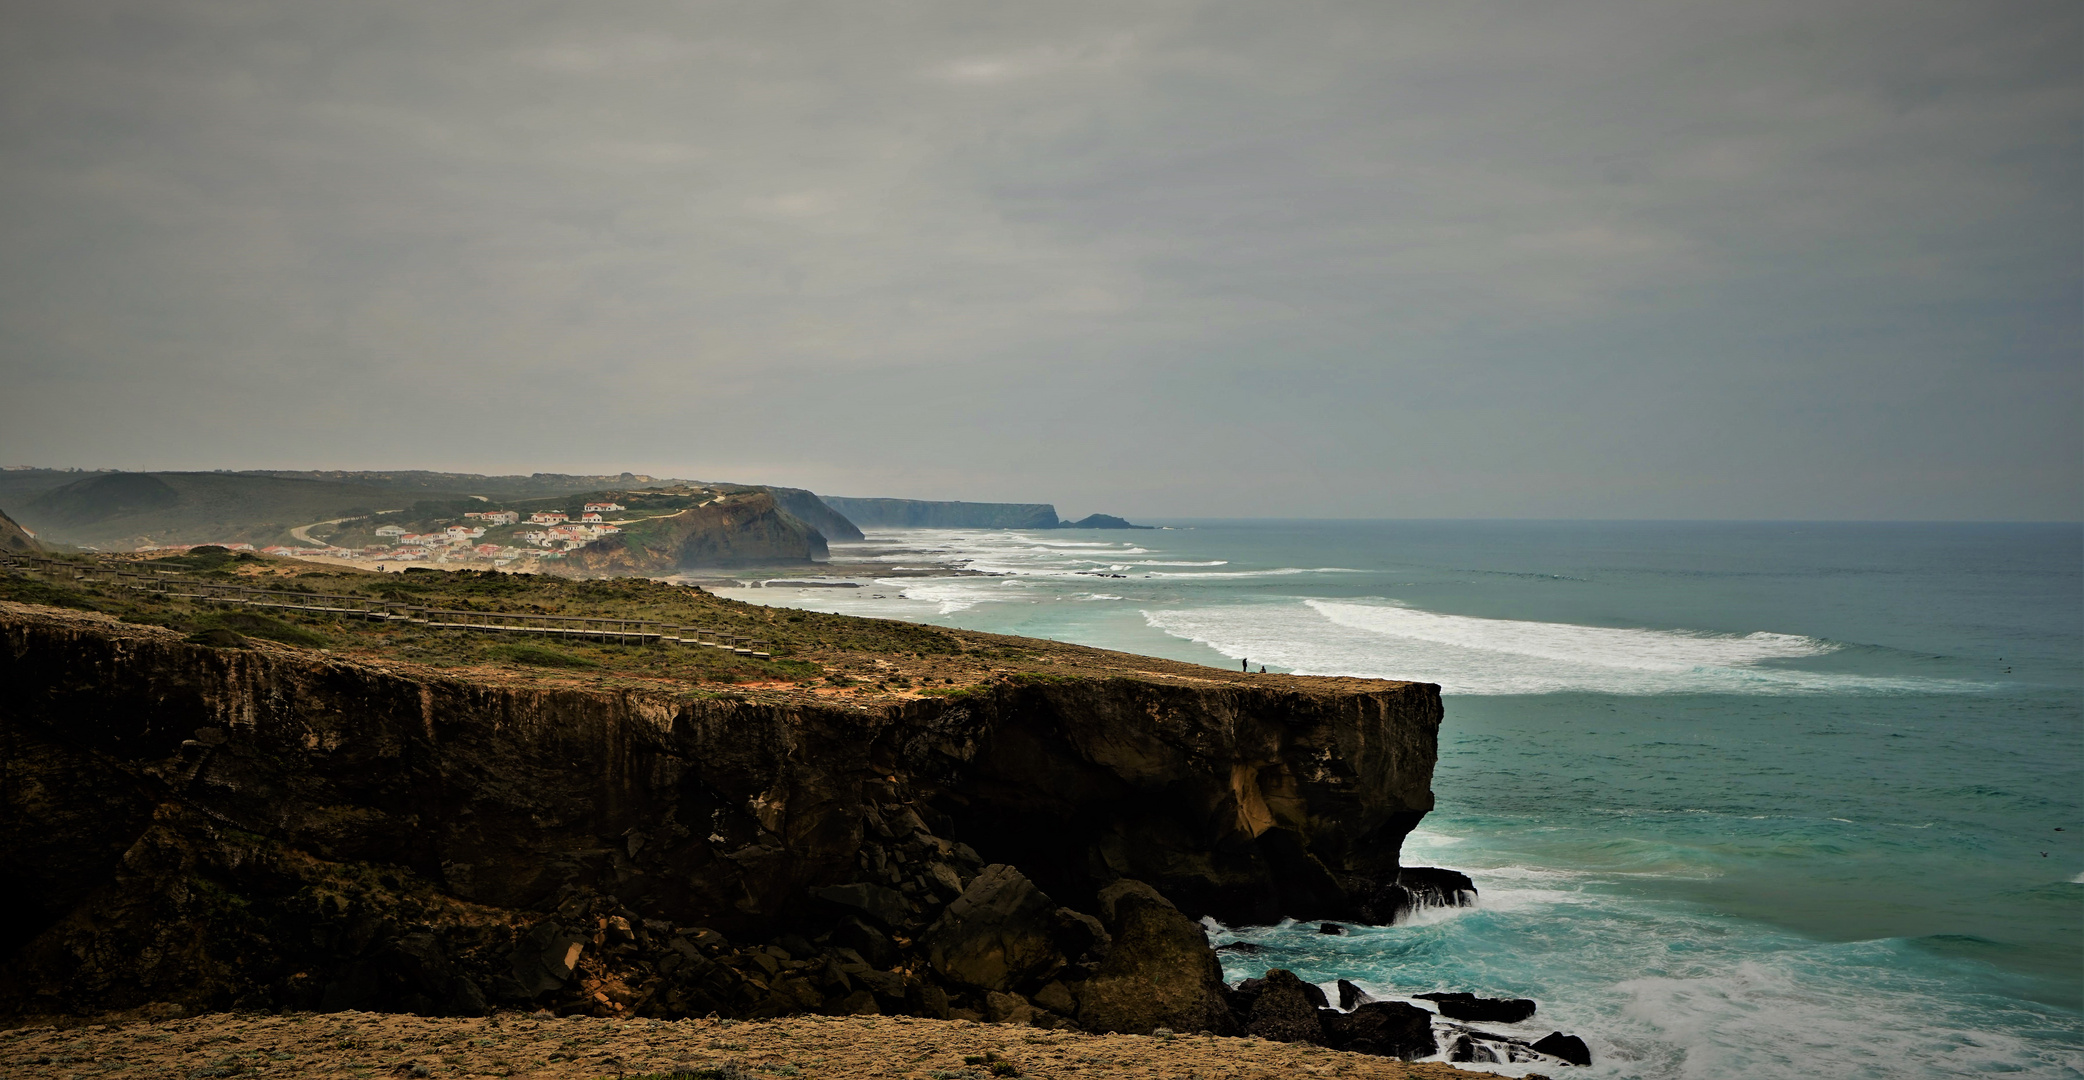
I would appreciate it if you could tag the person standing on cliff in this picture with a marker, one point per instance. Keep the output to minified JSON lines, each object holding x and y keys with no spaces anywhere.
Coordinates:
{"x":1244,"y":664}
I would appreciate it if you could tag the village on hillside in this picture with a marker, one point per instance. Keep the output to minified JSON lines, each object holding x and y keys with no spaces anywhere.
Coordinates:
{"x":496,"y":538}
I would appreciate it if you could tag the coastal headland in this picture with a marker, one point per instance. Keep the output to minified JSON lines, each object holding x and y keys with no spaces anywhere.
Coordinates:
{"x":229,"y":787}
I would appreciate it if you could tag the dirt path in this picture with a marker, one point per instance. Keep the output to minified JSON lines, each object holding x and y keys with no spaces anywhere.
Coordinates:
{"x":380,"y":1046}
{"x":303,"y":532}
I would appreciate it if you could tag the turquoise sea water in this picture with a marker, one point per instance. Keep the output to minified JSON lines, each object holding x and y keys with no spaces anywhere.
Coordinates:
{"x":1755,"y":800}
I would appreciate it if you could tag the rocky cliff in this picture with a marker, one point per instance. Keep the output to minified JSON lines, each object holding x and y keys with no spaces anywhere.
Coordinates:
{"x":812,"y":511}
{"x":277,"y":827}
{"x":919,"y":514}
{"x":743,"y":528}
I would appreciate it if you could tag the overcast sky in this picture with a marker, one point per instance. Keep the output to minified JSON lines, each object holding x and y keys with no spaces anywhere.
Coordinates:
{"x":1774,"y":259}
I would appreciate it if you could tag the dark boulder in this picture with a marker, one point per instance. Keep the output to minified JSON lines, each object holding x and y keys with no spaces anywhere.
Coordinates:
{"x":1461,"y":1006}
{"x":999,"y":934}
{"x":1385,"y":1028}
{"x":886,"y":906}
{"x":544,"y":960}
{"x":1331,"y":928}
{"x":1285,"y":1009}
{"x":869,"y":942}
{"x":1568,"y":1047}
{"x":1159,"y":971}
{"x":1351,"y":995}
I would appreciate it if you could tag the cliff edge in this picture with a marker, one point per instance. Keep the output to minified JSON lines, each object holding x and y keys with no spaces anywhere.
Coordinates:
{"x":279,"y":827}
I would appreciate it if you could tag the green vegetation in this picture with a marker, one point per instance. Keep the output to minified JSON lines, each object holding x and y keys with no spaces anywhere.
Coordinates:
{"x":793,"y":638}
{"x":537,"y":656}
{"x":250,"y":624}
{"x":208,"y":557}
{"x":36,"y":591}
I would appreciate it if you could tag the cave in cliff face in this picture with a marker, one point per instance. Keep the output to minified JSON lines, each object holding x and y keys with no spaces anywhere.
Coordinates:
{"x":1242,"y":805}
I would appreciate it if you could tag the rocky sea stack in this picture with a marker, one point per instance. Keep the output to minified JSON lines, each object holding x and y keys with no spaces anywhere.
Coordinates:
{"x":192,"y":828}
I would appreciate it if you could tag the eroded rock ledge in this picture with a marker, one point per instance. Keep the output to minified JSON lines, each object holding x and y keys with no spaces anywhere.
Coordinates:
{"x":278,"y":828}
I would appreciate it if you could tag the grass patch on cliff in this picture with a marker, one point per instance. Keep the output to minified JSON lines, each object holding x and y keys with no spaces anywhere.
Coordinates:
{"x":537,"y":656}
{"x":27,"y":590}
{"x":810,"y":650}
{"x":249,"y":624}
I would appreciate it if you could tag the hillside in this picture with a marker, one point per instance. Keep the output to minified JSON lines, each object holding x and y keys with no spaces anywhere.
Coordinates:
{"x":127,"y":510}
{"x":13,"y":538}
{"x":737,"y":528}
{"x":19,"y":485}
{"x":422,"y":483}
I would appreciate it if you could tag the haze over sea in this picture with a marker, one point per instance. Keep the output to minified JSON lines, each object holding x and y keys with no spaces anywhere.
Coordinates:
{"x":1742,"y":799}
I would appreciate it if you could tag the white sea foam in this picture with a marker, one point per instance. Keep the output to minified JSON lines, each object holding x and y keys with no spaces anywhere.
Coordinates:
{"x":1468,"y":655}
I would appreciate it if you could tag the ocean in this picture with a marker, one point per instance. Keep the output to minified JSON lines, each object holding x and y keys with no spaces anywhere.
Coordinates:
{"x":1742,"y":799}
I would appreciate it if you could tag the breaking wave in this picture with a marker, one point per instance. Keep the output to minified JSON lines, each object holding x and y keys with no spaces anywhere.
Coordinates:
{"x":1469,"y":655}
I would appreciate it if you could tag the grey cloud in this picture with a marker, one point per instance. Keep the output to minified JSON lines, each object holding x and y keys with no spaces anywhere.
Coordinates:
{"x":1805,"y":260}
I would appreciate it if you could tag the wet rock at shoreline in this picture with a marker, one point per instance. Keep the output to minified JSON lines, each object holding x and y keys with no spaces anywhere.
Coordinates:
{"x":1387,"y":1028}
{"x":1284,"y":1008}
{"x":1569,"y":1048}
{"x":1464,"y":1006}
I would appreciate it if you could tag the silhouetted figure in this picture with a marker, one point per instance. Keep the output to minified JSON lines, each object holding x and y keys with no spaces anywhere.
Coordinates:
{"x":1244,"y":665}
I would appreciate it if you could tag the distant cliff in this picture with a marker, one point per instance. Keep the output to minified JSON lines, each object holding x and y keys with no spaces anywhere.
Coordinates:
{"x":814,"y":512}
{"x":918,"y":514}
{"x":740,"y":529}
{"x":15,"y":538}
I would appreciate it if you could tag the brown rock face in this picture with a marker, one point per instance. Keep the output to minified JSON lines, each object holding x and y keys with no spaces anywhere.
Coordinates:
{"x":1246,"y":805}
{"x":270,"y":826}
{"x":1159,"y":970}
